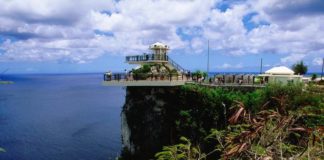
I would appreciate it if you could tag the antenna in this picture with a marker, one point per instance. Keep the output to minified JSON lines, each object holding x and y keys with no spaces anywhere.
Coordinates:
{"x":208,"y":60}
{"x":261,"y":67}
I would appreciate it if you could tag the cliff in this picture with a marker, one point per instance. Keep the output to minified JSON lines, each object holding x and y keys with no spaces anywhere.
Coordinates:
{"x":147,"y":120}
{"x":153,"y":117}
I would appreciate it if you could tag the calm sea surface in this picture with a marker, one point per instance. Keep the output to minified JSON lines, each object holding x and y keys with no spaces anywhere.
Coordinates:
{"x":60,"y":117}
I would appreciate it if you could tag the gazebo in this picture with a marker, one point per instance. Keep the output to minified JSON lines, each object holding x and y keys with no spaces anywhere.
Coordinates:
{"x":280,"y":74}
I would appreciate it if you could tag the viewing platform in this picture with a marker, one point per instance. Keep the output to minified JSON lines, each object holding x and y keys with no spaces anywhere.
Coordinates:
{"x":145,"y":80}
{"x":158,"y":69}
{"x":224,"y":81}
{"x":147,"y":58}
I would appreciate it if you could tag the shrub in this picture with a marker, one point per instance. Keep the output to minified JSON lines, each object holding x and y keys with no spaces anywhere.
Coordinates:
{"x":314,"y":76}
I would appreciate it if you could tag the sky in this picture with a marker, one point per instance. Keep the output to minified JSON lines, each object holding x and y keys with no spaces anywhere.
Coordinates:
{"x":82,"y":36}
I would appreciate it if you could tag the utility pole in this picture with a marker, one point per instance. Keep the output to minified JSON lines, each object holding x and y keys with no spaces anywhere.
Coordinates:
{"x":208,"y":60}
{"x":322,"y":68}
{"x":261,"y":67}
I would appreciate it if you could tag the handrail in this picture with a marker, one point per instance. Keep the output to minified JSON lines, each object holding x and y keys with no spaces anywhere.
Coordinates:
{"x":156,"y":57}
{"x":176,"y":65}
{"x":146,"y":57}
{"x":179,"y":77}
{"x":145,"y":76}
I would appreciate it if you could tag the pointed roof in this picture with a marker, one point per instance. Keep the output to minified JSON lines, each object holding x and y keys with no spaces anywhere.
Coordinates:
{"x":282,"y":70}
{"x":159,"y":45}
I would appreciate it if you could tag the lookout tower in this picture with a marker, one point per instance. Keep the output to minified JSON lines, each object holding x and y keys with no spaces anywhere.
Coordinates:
{"x":155,"y":68}
{"x":158,"y":54}
{"x":159,"y":50}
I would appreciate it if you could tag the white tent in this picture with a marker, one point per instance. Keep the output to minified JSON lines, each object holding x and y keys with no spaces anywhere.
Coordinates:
{"x":282,"y":70}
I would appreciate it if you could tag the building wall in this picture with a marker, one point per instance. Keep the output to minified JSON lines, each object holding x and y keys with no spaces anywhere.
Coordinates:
{"x":284,"y":79}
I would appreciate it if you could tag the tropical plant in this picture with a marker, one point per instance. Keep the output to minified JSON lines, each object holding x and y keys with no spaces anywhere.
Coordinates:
{"x":181,"y":151}
{"x":199,"y":74}
{"x":300,"y":68}
{"x":142,"y":72}
{"x":314,"y":76}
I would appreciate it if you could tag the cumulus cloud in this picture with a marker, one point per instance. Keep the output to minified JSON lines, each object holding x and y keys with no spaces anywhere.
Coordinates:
{"x":230,"y":66}
{"x":318,"y":61}
{"x":293,"y":58}
{"x":79,"y":31}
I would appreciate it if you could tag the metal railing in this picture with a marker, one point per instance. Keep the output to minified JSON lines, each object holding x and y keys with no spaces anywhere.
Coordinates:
{"x":145,"y":76}
{"x":215,"y":81}
{"x":177,"y":66}
{"x":155,"y":57}
{"x":147,"y":57}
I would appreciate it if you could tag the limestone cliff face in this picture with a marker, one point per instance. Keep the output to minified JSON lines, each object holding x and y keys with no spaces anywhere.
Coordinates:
{"x":147,"y":122}
{"x":153,"y":117}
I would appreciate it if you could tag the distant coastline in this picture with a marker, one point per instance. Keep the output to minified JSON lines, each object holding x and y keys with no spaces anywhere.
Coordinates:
{"x":6,"y":82}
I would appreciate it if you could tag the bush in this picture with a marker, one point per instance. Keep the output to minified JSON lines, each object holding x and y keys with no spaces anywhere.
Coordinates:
{"x":314,"y":76}
{"x":142,"y":73}
{"x":300,"y":68}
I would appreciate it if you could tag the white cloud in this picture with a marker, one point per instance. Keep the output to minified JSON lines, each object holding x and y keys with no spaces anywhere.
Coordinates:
{"x":318,"y":61}
{"x":81,"y":31}
{"x":230,"y":66}
{"x":293,"y":58}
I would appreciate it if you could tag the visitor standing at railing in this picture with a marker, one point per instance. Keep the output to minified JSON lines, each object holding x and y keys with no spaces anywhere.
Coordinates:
{"x":126,"y":75}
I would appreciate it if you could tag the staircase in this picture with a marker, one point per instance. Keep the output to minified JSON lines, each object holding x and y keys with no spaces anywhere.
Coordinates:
{"x":173,"y":64}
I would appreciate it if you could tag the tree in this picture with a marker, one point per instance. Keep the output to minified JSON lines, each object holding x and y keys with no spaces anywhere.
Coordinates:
{"x":314,"y":76}
{"x":300,"y":68}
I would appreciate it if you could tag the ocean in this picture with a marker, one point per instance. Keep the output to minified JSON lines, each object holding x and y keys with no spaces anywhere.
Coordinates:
{"x":60,"y":117}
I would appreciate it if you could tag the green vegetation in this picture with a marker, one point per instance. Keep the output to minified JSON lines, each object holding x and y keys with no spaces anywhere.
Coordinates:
{"x":146,"y":71}
{"x":199,"y":74}
{"x":277,"y":122}
{"x":143,"y":72}
{"x":300,"y":68}
{"x":6,"y":82}
{"x":314,"y":76}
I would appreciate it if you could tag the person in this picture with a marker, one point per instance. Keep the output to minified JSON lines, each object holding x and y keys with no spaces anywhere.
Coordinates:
{"x":188,"y":75}
{"x":126,"y":75}
{"x":109,"y":75}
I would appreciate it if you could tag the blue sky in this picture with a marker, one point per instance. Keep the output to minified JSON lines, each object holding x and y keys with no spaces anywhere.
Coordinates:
{"x":69,"y":36}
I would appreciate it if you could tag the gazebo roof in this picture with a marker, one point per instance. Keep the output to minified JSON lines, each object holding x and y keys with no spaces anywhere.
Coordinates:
{"x":159,"y":45}
{"x":282,"y":70}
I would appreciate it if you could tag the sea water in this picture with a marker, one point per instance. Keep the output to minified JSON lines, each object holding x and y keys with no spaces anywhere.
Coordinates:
{"x":60,"y":117}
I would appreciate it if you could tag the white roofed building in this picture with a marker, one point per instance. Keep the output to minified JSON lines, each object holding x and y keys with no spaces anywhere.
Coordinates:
{"x":280,"y":74}
{"x":282,"y":70}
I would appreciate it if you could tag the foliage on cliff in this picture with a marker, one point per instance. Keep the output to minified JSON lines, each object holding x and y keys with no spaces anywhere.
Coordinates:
{"x":271,"y":123}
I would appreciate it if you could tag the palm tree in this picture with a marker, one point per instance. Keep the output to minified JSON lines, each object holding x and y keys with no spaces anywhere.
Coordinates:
{"x":299,"y":68}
